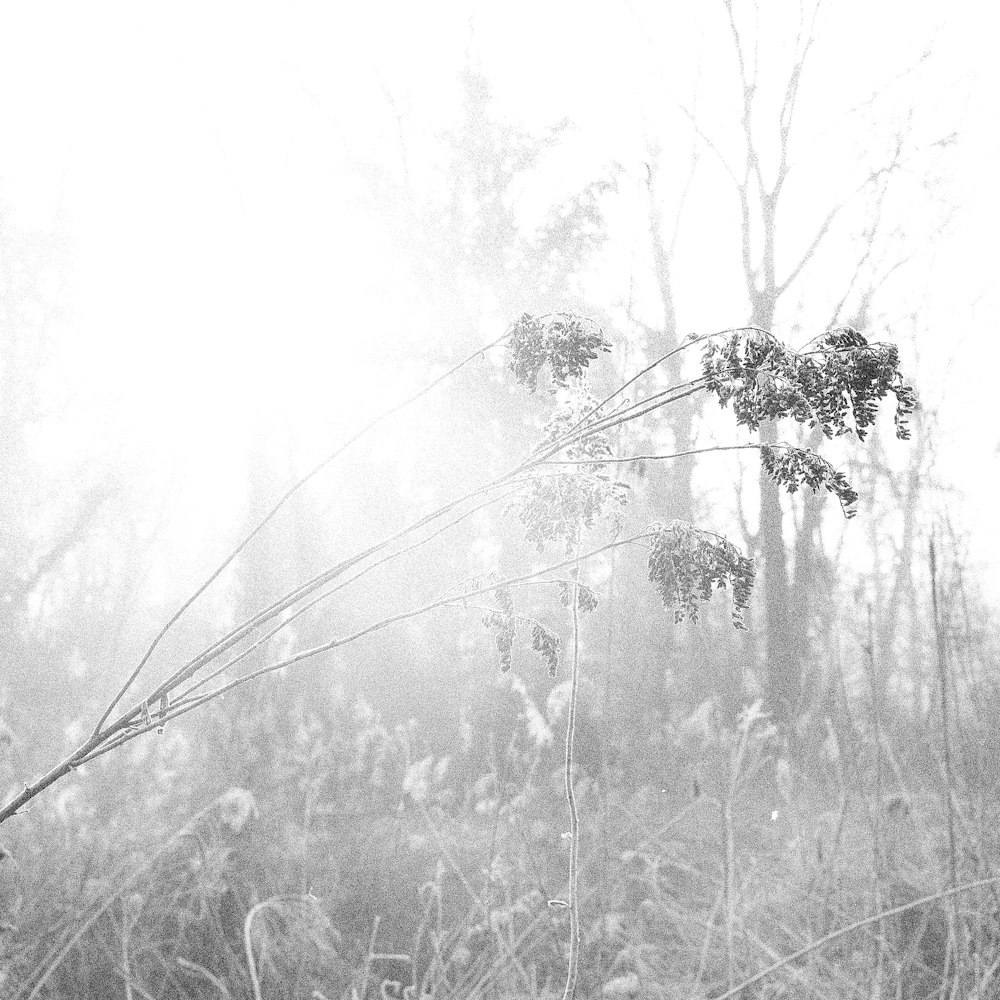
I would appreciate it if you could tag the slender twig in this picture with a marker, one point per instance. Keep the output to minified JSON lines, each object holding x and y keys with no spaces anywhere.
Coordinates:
{"x":651,"y":458}
{"x":124,"y":732}
{"x":582,"y":429}
{"x":132,"y":723}
{"x":303,"y":590}
{"x":574,"y":819}
{"x":638,"y":375}
{"x":627,"y":415}
{"x":592,"y":426}
{"x":294,"y":488}
{"x":326,"y":594}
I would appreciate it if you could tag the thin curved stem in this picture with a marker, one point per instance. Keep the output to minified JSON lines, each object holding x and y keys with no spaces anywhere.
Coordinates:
{"x":857,"y":925}
{"x":303,"y":590}
{"x":124,"y":732}
{"x":639,"y":374}
{"x":341,"y":586}
{"x":286,"y":496}
{"x":574,"y":818}
{"x":650,"y":458}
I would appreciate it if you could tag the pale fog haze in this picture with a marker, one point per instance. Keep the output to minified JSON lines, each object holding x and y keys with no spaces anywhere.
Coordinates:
{"x":212,"y":183}
{"x":239,"y":241}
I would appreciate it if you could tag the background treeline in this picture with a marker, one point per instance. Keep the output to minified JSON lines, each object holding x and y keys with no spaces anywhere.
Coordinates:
{"x":390,"y":817}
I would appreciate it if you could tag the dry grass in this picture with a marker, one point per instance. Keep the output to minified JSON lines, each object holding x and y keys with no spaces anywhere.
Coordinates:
{"x":419,"y":888}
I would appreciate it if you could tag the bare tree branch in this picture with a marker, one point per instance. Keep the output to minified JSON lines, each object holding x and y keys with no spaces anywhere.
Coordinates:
{"x":834,"y":212}
{"x":707,"y":140}
{"x":787,"y":113}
